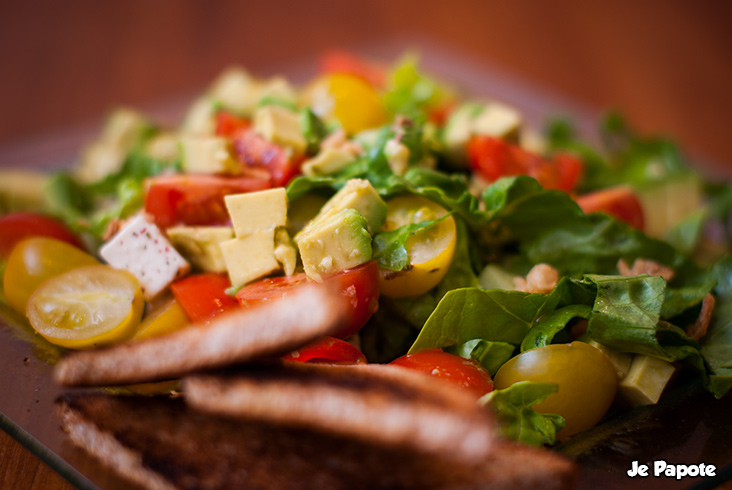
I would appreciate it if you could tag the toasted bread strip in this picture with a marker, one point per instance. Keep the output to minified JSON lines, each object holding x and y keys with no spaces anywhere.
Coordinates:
{"x":159,"y":443}
{"x":272,"y":328}
{"x":381,"y":404}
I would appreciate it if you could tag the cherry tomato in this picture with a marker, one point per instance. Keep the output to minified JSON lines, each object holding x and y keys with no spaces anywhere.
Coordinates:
{"x":586,"y":379}
{"x":194,"y":199}
{"x":167,"y":318}
{"x":360,"y":286}
{"x":327,"y":350}
{"x":227,"y":124}
{"x":33,"y":261}
{"x":255,"y":152}
{"x":494,"y":158}
{"x":203,"y":296}
{"x":619,"y":202}
{"x":465,"y":373}
{"x":337,"y":61}
{"x":18,"y":226}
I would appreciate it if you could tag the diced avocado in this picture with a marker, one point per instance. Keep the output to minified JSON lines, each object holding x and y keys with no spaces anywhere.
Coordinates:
{"x":328,"y":161}
{"x":277,"y":88}
{"x":21,"y":190}
{"x":207,"y":155}
{"x":251,"y":257}
{"x":458,"y":131}
{"x":667,"y":203}
{"x":498,"y":120}
{"x":333,"y":243}
{"x":164,"y":147}
{"x":646,"y":380}
{"x":201,"y":245}
{"x":496,"y":277}
{"x":621,"y":361}
{"x":303,"y":210}
{"x":360,"y":195}
{"x":397,"y":156}
{"x":254,"y":211}
{"x":236,"y":90}
{"x":280,"y":126}
{"x":200,"y":118}
{"x":285,"y":251}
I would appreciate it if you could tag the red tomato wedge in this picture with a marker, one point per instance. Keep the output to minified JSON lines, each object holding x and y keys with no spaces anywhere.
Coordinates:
{"x":465,"y":373}
{"x":203,"y":296}
{"x":327,"y":350}
{"x":494,"y":158}
{"x":338,"y":61}
{"x":194,"y":199}
{"x":619,"y":202}
{"x":254,"y":152}
{"x":227,"y":123}
{"x":16,"y":227}
{"x":360,"y":286}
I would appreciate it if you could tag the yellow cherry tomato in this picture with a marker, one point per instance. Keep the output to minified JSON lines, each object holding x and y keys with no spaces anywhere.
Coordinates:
{"x":586,"y":380}
{"x":34,"y":260}
{"x":430,"y":250}
{"x":168,"y":318}
{"x":349,"y":99}
{"x":87,"y":307}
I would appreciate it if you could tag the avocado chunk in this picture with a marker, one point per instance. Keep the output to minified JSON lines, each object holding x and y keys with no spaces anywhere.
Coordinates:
{"x":667,"y":203}
{"x":280,"y":126}
{"x":254,"y":211}
{"x":333,"y":243}
{"x":328,"y":161}
{"x":285,"y":251}
{"x":621,"y":361}
{"x":200,"y":118}
{"x":360,"y":195}
{"x":207,"y":155}
{"x":21,"y":190}
{"x":496,"y":277}
{"x":235,"y":90}
{"x":201,"y":245}
{"x":646,"y":380}
{"x":250,"y":257}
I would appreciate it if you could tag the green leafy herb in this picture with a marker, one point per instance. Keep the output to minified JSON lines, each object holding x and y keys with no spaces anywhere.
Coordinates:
{"x":548,"y":326}
{"x":492,"y":355}
{"x":390,"y":247}
{"x":314,"y":130}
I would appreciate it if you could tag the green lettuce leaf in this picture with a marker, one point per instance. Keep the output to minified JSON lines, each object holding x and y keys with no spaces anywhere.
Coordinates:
{"x":549,"y":325}
{"x":492,"y":355}
{"x":390,"y":247}
{"x":716,"y":346}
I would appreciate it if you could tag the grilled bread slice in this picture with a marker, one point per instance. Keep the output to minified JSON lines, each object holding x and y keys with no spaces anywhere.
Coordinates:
{"x":272,"y":328}
{"x":160,"y":443}
{"x":377,"y":403}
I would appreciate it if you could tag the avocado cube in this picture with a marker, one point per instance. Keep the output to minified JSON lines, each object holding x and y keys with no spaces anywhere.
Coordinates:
{"x":201,"y":245}
{"x":621,"y":361}
{"x":200,"y":118}
{"x":646,"y":380}
{"x":254,"y":211}
{"x":334,"y":243}
{"x":360,"y":195}
{"x":207,"y":155}
{"x":328,"y":161}
{"x":280,"y":126}
{"x":251,"y":257}
{"x":236,"y":90}
{"x":285,"y":251}
{"x":498,"y":120}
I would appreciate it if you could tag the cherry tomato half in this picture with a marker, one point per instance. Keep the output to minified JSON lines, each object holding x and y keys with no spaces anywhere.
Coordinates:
{"x":619,"y":202}
{"x":465,"y":373}
{"x":194,"y":199}
{"x":18,"y":226}
{"x":203,"y":296}
{"x":327,"y":350}
{"x":360,"y":286}
{"x":255,"y":152}
{"x":227,"y":123}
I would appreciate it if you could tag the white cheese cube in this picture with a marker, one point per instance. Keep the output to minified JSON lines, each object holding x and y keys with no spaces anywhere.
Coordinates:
{"x":251,"y":257}
{"x":254,"y":211}
{"x":280,"y":126}
{"x":140,"y":248}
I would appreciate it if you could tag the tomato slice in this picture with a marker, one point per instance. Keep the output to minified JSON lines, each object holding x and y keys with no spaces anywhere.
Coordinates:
{"x":255,"y":152}
{"x":327,"y":350}
{"x":619,"y":202}
{"x":465,"y":373}
{"x":360,"y":286}
{"x":494,"y":158}
{"x":227,"y":124}
{"x":18,"y":226}
{"x":203,"y":296}
{"x":338,"y":61}
{"x":194,"y":199}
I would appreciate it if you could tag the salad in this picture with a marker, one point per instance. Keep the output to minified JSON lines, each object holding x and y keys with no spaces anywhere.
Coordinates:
{"x":551,"y":277}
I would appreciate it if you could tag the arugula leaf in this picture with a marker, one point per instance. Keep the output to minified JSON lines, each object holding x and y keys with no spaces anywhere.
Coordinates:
{"x":548,"y":326}
{"x":492,"y":355}
{"x":410,"y":91}
{"x":313,"y":129}
{"x":520,"y":422}
{"x":390,"y":247}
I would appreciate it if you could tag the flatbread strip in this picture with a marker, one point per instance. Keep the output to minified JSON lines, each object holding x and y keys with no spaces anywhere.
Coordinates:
{"x":160,"y":443}
{"x":376,"y":403}
{"x":271,"y":328}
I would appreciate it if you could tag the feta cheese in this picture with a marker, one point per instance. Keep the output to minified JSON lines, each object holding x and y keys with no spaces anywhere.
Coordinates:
{"x":141,"y":249}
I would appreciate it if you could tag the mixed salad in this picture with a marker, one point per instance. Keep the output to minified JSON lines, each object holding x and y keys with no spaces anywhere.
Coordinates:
{"x":552,"y":277}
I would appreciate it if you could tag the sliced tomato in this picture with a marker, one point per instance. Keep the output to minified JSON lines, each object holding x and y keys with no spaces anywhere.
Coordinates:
{"x":203,"y":296}
{"x":227,"y":123}
{"x":16,"y":227}
{"x":338,"y":61}
{"x":254,"y":152}
{"x":619,"y":202}
{"x":494,"y":158}
{"x":465,"y":373}
{"x":360,"y":286}
{"x":327,"y":350}
{"x":194,"y":199}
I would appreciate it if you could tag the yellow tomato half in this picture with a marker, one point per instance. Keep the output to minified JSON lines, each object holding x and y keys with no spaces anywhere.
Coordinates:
{"x":430,"y":250}
{"x":87,"y":307}
{"x":168,"y":318}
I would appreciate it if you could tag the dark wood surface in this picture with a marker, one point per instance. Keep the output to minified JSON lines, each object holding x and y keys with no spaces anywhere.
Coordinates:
{"x":667,"y":65}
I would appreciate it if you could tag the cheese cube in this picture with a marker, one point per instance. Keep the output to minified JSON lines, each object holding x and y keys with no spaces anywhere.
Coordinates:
{"x":280,"y":126}
{"x":140,"y":248}
{"x":646,"y":380}
{"x":254,"y":211}
{"x":251,"y":257}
